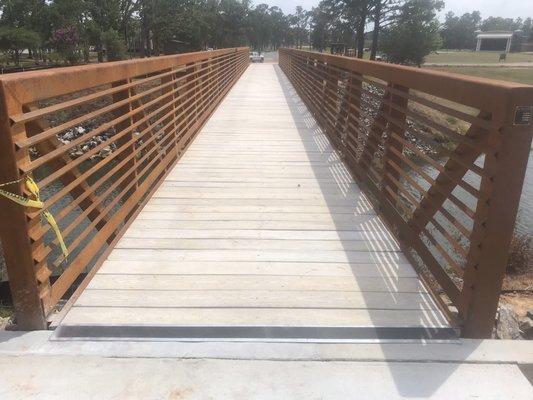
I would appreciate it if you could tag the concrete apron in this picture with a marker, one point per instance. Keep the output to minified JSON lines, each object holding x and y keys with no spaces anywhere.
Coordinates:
{"x":35,"y":367}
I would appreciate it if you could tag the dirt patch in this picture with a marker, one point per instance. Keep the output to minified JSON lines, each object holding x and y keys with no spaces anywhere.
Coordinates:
{"x":521,"y":283}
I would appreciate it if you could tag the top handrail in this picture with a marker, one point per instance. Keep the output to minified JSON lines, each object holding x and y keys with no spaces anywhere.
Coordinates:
{"x":33,"y":86}
{"x":468,"y":90}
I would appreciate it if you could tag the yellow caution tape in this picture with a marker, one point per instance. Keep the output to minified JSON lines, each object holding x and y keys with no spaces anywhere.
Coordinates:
{"x":51,"y":220}
{"x":35,"y":203}
{"x":23,"y":201}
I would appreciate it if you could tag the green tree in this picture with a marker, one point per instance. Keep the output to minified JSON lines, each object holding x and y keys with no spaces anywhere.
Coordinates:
{"x":26,"y":24}
{"x":230,"y":26}
{"x":154,"y":26}
{"x":501,"y":24}
{"x":259,"y":27}
{"x":527,"y":27}
{"x":66,"y":41}
{"x":72,"y":13}
{"x":415,"y":34}
{"x":105,"y":17}
{"x":320,"y":25}
{"x":15,"y":40}
{"x":300,"y":23}
{"x":459,"y":32}
{"x":114,"y":45}
{"x":280,"y":27}
{"x":382,"y":14}
{"x":360,"y":10}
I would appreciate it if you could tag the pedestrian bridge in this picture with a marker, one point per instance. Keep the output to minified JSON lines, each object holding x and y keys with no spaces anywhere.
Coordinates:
{"x":200,"y":197}
{"x":258,"y":231}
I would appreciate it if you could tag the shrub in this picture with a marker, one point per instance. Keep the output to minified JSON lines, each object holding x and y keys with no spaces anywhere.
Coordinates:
{"x":115,"y":47}
{"x":65,"y":40}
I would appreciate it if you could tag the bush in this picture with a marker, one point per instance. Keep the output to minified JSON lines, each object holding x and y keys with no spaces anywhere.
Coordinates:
{"x":65,"y":40}
{"x":115,"y":47}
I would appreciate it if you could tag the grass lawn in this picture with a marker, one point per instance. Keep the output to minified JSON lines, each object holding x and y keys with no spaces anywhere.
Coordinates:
{"x":476,"y":57}
{"x":521,"y":75}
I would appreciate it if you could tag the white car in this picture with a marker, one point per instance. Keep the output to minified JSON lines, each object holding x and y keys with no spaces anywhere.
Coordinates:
{"x":256,"y":57}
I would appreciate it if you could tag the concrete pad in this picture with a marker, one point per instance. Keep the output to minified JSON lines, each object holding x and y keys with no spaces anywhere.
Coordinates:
{"x":63,"y":377}
{"x":458,"y":351}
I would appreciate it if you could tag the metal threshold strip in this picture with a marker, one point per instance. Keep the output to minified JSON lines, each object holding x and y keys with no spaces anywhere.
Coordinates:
{"x":304,"y":333}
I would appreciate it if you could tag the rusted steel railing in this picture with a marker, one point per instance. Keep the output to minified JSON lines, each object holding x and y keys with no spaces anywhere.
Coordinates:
{"x":442,"y":156}
{"x":97,"y":140}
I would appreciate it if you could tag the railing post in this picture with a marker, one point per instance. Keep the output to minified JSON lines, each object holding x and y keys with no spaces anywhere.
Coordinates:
{"x":390,"y":174}
{"x":180,"y":107}
{"x":235,"y":62}
{"x":14,"y":227}
{"x":122,"y":144}
{"x":172,"y":129}
{"x":331,"y":84}
{"x":353,"y":122}
{"x":495,"y":218}
{"x":191,"y":87}
{"x":289,"y":57}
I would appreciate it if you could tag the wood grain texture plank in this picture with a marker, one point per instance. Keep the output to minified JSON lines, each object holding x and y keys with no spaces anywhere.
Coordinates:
{"x":258,"y":255}
{"x":365,"y":225}
{"x":335,"y":236}
{"x":255,"y":299}
{"x":256,"y":244}
{"x":118,"y":316}
{"x":274,"y":283}
{"x":169,"y":267}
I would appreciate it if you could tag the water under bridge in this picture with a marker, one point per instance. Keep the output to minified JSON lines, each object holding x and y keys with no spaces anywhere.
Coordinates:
{"x":324,"y":200}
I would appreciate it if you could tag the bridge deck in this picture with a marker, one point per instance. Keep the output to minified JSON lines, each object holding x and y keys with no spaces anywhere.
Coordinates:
{"x":258,"y":231}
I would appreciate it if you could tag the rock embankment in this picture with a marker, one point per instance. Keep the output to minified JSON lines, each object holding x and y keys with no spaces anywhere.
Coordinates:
{"x":80,"y":149}
{"x":512,"y":321}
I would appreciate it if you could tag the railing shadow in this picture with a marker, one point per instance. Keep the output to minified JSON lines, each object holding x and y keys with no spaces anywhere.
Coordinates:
{"x":391,"y":264}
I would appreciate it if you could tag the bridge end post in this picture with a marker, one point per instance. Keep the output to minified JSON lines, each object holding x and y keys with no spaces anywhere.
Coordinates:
{"x":496,"y":217}
{"x":14,"y":228}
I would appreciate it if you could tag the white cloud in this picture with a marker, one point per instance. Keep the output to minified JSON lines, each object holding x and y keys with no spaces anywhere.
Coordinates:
{"x":497,"y":8}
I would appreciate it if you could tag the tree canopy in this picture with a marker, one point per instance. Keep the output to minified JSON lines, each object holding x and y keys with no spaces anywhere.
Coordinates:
{"x":145,"y":27}
{"x":459,"y":32}
{"x":402,"y":30}
{"x":348,"y":22}
{"x":414,"y":34}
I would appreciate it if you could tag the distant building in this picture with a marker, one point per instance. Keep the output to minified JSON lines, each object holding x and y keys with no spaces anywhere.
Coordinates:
{"x":504,"y":41}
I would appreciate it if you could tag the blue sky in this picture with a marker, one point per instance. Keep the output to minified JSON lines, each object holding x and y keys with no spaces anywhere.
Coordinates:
{"x":500,"y":8}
